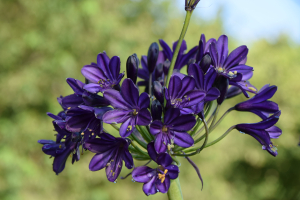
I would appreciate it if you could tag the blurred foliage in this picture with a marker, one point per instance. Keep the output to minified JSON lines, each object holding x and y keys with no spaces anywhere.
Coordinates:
{"x":44,"y":42}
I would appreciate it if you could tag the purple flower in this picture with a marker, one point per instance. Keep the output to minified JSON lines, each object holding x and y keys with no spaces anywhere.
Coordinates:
{"x":132,"y":66}
{"x":103,"y":75}
{"x":81,"y":97}
{"x":202,"y":52}
{"x":204,"y":83}
{"x":156,"y":180}
{"x":144,"y":74}
{"x":130,"y":108}
{"x":263,"y":132}
{"x":61,"y":150}
{"x":85,"y":119}
{"x":110,"y":153}
{"x":173,"y":130}
{"x":182,"y":58}
{"x":191,"y":4}
{"x":232,"y":66}
{"x":181,"y":94}
{"x":259,"y":104}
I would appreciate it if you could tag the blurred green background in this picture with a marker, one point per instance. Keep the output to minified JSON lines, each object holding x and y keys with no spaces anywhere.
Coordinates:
{"x":44,"y":42}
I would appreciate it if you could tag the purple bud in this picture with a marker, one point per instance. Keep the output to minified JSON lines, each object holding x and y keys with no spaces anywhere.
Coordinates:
{"x":156,"y":110}
{"x":158,"y":91}
{"x":152,"y":56}
{"x":158,"y":71}
{"x":222,"y":84}
{"x":205,"y":62}
{"x":132,"y":66}
{"x":167,"y":64}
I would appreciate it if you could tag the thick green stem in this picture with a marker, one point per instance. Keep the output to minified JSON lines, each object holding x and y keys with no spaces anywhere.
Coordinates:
{"x":184,"y":29}
{"x":221,"y":118}
{"x":220,"y":138}
{"x":174,"y":192}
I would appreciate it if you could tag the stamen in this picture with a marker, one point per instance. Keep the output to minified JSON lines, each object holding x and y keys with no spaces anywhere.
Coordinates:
{"x":60,"y":146}
{"x":220,"y":69}
{"x":82,"y":133}
{"x":129,"y":128}
{"x":93,"y":134}
{"x":162,"y":177}
{"x":230,"y":73}
{"x":135,"y":112}
{"x":164,"y":128}
{"x":69,"y":108}
{"x":252,"y":88}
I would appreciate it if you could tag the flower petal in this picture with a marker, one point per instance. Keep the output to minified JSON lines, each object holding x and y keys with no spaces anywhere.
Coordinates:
{"x":116,"y":99}
{"x":164,"y":186}
{"x":116,"y":116}
{"x":183,"y":139}
{"x":130,"y":92}
{"x":149,"y":187}
{"x":236,"y":56}
{"x":143,"y":174}
{"x":143,"y":117}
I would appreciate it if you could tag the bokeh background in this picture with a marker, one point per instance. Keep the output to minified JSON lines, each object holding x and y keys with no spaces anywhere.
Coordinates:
{"x":44,"y":42}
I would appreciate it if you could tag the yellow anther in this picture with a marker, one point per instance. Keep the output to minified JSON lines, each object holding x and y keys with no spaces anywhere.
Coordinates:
{"x":135,"y":112}
{"x":220,"y":69}
{"x":60,"y":146}
{"x":246,"y":85}
{"x":162,"y":177}
{"x":271,"y":145}
{"x":230,"y":73}
{"x":189,"y":99}
{"x":164,"y":129}
{"x":90,"y":129}
{"x":93,"y":134}
{"x":69,"y":108}
{"x":252,"y":88}
{"x":180,"y":100}
{"x":82,"y":133}
{"x":129,"y":128}
{"x":170,"y":146}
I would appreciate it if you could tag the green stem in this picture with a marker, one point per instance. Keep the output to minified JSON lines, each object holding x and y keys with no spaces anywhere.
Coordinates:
{"x":134,"y":138}
{"x":184,"y":29}
{"x":144,"y":134}
{"x":115,"y":126}
{"x":215,"y":117}
{"x":174,"y":192}
{"x":150,"y":90}
{"x":221,"y":118}
{"x":138,"y":149}
{"x":220,"y":138}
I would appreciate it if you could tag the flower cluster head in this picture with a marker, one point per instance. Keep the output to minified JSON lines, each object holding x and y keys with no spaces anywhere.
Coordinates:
{"x":165,"y":114}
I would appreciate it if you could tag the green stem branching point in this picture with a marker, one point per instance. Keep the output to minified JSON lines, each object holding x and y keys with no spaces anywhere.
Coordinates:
{"x":184,"y":29}
{"x":220,"y":138}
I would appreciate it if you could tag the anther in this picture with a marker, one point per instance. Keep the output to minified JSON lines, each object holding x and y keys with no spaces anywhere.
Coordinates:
{"x":252,"y":88}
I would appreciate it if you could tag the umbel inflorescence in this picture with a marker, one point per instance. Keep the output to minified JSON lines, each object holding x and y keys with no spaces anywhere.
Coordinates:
{"x":172,"y":117}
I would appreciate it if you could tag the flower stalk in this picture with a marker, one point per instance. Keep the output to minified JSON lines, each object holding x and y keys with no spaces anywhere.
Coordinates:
{"x":174,"y":192}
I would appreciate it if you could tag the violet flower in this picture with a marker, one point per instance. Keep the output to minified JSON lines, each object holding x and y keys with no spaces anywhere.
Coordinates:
{"x":259,"y":104}
{"x":110,"y":153}
{"x":181,"y":94}
{"x":86,"y":119}
{"x":182,"y":58}
{"x":156,"y":180}
{"x":173,"y":130}
{"x":263,"y":132}
{"x":103,"y":75}
{"x":130,"y":108}
{"x":61,"y":150}
{"x":204,"y":83}
{"x":232,"y":66}
{"x":81,"y":97}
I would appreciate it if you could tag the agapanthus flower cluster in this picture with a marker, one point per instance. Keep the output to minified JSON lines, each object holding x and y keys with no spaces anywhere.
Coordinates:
{"x":155,"y":117}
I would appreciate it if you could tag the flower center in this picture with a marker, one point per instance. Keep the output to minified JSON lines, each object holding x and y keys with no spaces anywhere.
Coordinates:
{"x":162,"y":177}
{"x":220,"y":70}
{"x":135,"y":112}
{"x":164,"y":128}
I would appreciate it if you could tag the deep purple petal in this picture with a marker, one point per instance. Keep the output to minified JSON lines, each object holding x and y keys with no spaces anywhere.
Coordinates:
{"x":182,"y":123}
{"x":143,"y":174}
{"x":183,"y":139}
{"x":156,"y":127}
{"x":116,"y":99}
{"x":93,"y":73}
{"x":173,"y":171}
{"x":175,"y":86}
{"x":214,"y":53}
{"x":127,"y":157}
{"x":98,"y":145}
{"x":103,"y":64}
{"x":167,"y":51}
{"x":116,"y":116}
{"x":76,"y":85}
{"x":222,"y":47}
{"x":171,"y":114}
{"x":149,"y":187}
{"x":274,"y":132}
{"x":93,"y":88}
{"x":127,"y":127}
{"x":151,"y":151}
{"x":164,"y":186}
{"x":114,"y":66}
{"x":144,"y":101}
{"x":130,"y":92}
{"x":188,"y":84}
{"x":236,"y":56}
{"x":164,"y":159}
{"x":113,"y":170}
{"x":143,"y":117}
{"x":160,"y":143}
{"x":195,"y":72}
{"x":193,"y":97}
